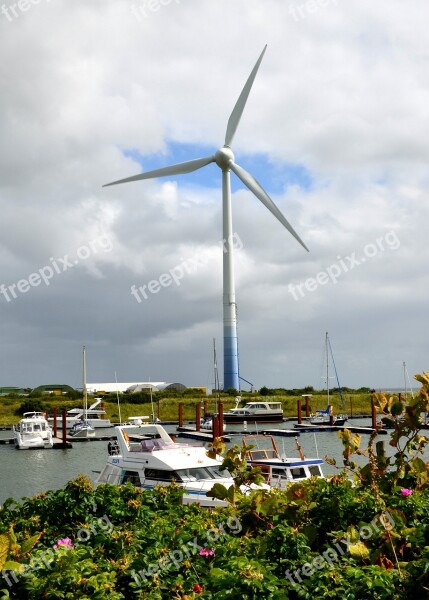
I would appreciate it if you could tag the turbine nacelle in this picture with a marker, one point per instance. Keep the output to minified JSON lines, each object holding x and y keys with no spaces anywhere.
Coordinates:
{"x":224,"y":158}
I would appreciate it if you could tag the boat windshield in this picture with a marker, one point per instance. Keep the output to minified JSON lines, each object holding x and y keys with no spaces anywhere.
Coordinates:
{"x":201,"y":473}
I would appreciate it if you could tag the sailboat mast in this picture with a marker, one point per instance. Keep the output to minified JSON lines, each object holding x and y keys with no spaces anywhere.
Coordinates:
{"x":327,"y":366}
{"x":85,"y":395}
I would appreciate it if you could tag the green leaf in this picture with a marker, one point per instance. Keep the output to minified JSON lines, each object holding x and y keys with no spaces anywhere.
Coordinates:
{"x":218,"y":491}
{"x":359,"y":550}
{"x":217,"y":573}
{"x":30,"y":543}
{"x":11,"y":565}
{"x":4,"y":549}
{"x":396,"y":409}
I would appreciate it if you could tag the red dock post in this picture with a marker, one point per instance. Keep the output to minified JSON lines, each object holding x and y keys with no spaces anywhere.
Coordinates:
{"x":64,"y":429}
{"x":197,"y":416}
{"x":373,"y":414}
{"x":220,"y":419}
{"x":307,"y":406}
{"x":206,"y":408}
{"x":299,"y":408}
{"x":180,"y":414}
{"x":55,"y":422}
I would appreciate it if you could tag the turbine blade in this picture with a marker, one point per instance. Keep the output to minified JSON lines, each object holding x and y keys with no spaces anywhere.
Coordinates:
{"x":235,"y":117}
{"x":255,"y":187}
{"x":179,"y":169}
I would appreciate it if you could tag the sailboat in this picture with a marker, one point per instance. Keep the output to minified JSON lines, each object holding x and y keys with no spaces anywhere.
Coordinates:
{"x":207,"y":421}
{"x":83,"y":429}
{"x":326,"y":416}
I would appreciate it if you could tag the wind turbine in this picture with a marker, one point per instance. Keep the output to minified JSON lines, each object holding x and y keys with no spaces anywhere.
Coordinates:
{"x":224,"y":158}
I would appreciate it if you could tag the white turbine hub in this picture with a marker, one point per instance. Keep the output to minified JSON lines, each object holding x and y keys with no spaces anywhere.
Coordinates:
{"x":224,"y":157}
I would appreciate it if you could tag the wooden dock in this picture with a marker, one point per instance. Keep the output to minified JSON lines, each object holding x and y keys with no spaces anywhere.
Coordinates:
{"x":203,"y":436}
{"x":306,"y":428}
{"x":279,"y":432}
{"x":58,"y":442}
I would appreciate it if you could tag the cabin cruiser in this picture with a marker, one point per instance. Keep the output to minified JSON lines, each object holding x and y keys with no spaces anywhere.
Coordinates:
{"x":255,"y":412}
{"x":33,"y":431}
{"x":147,"y":456}
{"x":279,"y":471}
{"x":94,"y":416}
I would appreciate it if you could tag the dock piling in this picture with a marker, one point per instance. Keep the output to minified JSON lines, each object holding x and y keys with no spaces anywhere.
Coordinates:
{"x":220,"y":418}
{"x":55,"y":422}
{"x":197,"y":416}
{"x":64,"y":429}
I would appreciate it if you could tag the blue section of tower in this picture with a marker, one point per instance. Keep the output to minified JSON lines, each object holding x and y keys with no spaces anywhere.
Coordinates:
{"x":230,"y":359}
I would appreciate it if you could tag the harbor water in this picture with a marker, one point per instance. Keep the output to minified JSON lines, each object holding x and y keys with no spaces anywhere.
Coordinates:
{"x":25,"y":473}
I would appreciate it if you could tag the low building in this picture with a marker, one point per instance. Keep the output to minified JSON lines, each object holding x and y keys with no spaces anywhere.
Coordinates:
{"x":131,"y":387}
{"x":55,"y":389}
{"x":7,"y":391}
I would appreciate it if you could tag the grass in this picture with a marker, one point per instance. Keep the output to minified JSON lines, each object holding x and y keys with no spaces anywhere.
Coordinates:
{"x":169,"y":407}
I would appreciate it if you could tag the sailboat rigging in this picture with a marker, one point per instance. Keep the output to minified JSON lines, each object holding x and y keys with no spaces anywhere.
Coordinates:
{"x":326,"y":416}
{"x":83,"y":429}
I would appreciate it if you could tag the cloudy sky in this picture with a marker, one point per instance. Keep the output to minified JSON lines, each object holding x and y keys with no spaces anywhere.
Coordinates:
{"x":336,"y":130}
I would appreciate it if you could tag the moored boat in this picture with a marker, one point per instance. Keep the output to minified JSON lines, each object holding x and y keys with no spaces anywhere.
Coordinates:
{"x":96,"y":417}
{"x":33,"y":431}
{"x":255,"y":412}
{"x":279,"y":471}
{"x":323,"y":417}
{"x":83,"y":428}
{"x":326,"y":416}
{"x":147,"y":456}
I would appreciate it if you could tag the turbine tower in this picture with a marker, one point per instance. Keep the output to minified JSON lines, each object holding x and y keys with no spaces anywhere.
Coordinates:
{"x":224,"y":158}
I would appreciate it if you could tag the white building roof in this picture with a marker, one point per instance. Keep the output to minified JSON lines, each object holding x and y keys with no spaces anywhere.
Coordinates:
{"x":95,"y":388}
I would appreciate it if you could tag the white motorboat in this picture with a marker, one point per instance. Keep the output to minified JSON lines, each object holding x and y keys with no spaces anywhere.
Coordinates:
{"x":95,"y":416}
{"x":33,"y":431}
{"x":279,"y":471}
{"x":255,"y":412}
{"x":147,"y":456}
{"x":83,"y":428}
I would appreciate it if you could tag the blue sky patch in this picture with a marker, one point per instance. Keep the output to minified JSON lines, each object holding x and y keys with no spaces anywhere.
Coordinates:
{"x":274,"y":177}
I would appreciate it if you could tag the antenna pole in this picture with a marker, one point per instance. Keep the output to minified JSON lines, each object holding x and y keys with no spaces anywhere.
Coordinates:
{"x":117,"y":398}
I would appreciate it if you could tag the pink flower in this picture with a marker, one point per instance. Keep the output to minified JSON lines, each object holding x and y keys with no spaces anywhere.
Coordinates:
{"x":406,"y":492}
{"x":66,"y":542}
{"x":207,"y":552}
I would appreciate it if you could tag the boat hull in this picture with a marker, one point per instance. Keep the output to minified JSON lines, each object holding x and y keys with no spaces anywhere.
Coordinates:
{"x":28,"y":444}
{"x":252,"y":418}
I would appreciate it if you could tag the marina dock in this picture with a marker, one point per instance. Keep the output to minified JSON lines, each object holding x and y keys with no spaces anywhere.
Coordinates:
{"x":307,"y":428}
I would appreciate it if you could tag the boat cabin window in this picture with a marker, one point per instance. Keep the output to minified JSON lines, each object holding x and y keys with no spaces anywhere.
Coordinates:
{"x":160,"y":475}
{"x":315,"y":471}
{"x":131,"y":476}
{"x":278,"y":472}
{"x":298,"y":473}
{"x":201,"y":473}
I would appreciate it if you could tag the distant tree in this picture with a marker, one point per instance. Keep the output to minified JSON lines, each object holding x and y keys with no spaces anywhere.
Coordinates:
{"x":30,"y":405}
{"x":264,"y":391}
{"x":232,"y":392}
